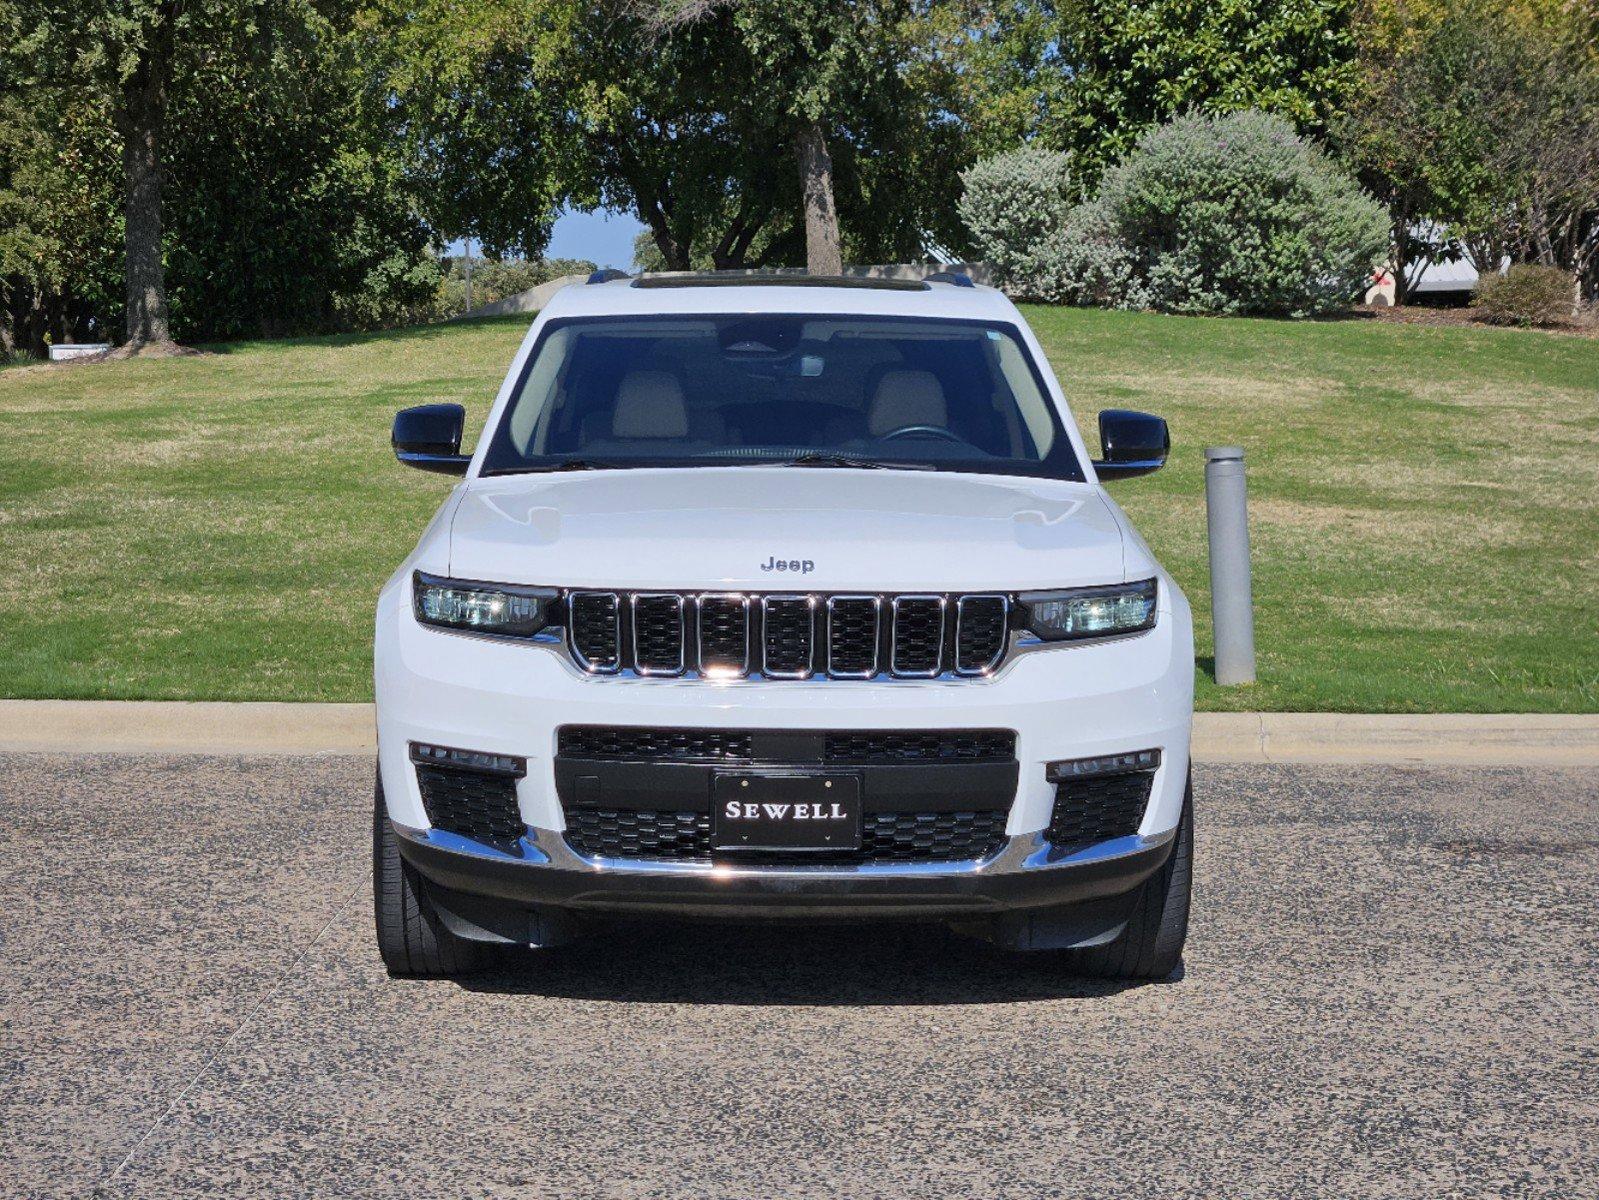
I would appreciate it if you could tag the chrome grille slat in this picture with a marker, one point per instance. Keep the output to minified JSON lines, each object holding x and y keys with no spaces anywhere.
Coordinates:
{"x":722,"y":627}
{"x":658,"y":633}
{"x":594,"y":631}
{"x":981,"y":622}
{"x":854,"y":627}
{"x":788,"y":635}
{"x":918,"y":647}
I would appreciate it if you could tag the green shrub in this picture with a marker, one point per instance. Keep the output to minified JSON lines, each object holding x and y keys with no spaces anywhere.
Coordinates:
{"x":1221,"y":214}
{"x":1528,"y":294}
{"x":1015,"y":205}
{"x":493,"y":279}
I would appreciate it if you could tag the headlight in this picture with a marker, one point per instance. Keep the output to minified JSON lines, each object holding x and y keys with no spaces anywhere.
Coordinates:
{"x":506,"y":609}
{"x":1090,"y":612}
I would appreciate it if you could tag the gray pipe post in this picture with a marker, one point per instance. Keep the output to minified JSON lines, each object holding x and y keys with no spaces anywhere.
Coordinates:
{"x":1232,"y":606}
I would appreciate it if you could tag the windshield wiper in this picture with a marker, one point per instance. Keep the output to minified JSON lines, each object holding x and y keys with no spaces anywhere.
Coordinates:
{"x":819,"y":458}
{"x":579,"y":464}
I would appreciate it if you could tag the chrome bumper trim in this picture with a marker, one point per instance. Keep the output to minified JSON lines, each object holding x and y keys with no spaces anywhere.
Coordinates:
{"x":1026,"y":852}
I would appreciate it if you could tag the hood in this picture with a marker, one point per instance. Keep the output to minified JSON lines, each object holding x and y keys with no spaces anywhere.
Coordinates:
{"x":779,"y":528}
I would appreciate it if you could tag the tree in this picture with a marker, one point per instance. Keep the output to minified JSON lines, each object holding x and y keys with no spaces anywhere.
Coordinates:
{"x":809,"y":61}
{"x":60,"y":217}
{"x":694,"y":117}
{"x":283,"y":210}
{"x":509,"y":110}
{"x":1478,"y":127}
{"x":125,"y":51}
{"x":1129,"y":65}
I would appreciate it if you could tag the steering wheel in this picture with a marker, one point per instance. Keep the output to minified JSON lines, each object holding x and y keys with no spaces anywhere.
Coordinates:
{"x":937,"y":431}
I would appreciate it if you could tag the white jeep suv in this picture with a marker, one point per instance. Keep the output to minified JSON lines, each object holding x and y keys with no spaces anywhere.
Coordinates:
{"x":782,"y":597}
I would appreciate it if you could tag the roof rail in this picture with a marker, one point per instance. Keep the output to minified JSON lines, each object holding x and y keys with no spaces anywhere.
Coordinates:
{"x":608,"y":274}
{"x":952,"y":277}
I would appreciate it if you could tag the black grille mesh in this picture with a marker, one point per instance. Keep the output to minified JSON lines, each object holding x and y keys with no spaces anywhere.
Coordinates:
{"x":789,"y":635}
{"x":626,"y":833}
{"x":941,"y":745}
{"x":856,"y":746}
{"x":594,"y":629}
{"x":473,"y":804}
{"x":724,"y":633}
{"x":885,"y":837}
{"x":852,"y":636}
{"x":931,"y":837}
{"x":918,"y":635}
{"x":658,"y":633}
{"x":640,"y":744}
{"x":981,"y":632}
{"x":1095,"y":810}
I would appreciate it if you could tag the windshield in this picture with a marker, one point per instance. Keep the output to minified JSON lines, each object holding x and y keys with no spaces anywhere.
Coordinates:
{"x":813,"y":391}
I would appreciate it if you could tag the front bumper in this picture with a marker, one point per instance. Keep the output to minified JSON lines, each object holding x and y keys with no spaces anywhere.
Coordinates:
{"x":1027,"y":873}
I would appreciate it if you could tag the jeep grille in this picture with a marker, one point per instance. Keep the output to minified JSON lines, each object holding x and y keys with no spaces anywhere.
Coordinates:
{"x":787,"y":635}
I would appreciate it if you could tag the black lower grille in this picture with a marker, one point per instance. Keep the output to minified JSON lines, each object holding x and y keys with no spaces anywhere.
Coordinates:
{"x":853,"y":746}
{"x":639,"y":833}
{"x":641,"y":744}
{"x":1096,"y":810}
{"x":885,"y":837}
{"x":936,"y":745}
{"x":474,"y":804}
{"x":932,"y":837}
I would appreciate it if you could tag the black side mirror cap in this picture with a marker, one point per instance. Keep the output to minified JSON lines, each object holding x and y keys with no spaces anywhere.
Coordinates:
{"x":428,"y":437}
{"x":1133,"y":443}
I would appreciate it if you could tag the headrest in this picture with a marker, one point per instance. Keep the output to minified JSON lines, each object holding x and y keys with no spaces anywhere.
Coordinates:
{"x":906,"y":397}
{"x":649,"y":404}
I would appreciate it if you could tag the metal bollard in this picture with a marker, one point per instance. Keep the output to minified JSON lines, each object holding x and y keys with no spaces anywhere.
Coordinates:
{"x":1232,"y":606}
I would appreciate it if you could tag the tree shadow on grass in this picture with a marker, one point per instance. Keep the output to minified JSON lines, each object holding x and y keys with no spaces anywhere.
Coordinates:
{"x":683,"y":963}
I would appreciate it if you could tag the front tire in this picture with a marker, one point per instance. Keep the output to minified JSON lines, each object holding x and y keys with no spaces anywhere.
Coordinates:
{"x":411,"y":938}
{"x":1151,"y":946}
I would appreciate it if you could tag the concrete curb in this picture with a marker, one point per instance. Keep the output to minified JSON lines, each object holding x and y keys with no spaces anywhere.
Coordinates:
{"x":176,"y":727}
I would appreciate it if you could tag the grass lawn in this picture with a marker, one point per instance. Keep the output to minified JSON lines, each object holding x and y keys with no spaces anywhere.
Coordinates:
{"x":1425,"y":506}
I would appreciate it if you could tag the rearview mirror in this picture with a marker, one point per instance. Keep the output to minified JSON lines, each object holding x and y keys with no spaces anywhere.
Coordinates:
{"x":1133,"y":443}
{"x":428,"y":437}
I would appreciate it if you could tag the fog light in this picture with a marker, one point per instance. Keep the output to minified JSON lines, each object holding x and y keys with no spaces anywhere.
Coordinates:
{"x":468,"y":760}
{"x":1105,"y":764}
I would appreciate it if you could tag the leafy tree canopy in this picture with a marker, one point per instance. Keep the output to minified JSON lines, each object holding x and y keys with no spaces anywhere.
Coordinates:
{"x":1129,"y":65}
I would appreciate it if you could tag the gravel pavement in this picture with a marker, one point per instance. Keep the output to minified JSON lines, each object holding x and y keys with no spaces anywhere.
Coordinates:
{"x":1392,"y":990}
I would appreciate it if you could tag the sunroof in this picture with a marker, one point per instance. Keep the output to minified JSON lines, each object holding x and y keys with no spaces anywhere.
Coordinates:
{"x":774,"y":280}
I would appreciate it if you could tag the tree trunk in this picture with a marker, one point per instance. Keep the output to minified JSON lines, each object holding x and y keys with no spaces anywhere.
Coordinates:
{"x":822,"y":252}
{"x":142,"y":118}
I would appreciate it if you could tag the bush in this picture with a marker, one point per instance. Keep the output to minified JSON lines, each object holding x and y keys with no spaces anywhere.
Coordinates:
{"x":1015,"y":205}
{"x":1527,"y":295}
{"x":1221,"y":214}
{"x":495,"y":279}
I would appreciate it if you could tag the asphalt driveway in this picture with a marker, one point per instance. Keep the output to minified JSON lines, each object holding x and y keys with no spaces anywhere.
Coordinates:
{"x":1392,"y":990}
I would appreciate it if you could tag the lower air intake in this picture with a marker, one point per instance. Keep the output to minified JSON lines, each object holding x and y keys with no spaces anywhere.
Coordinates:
{"x":472,"y":804}
{"x":1088,"y":811}
{"x":885,"y":837}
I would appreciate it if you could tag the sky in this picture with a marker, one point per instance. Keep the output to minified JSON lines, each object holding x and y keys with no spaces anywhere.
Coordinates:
{"x":604,"y":238}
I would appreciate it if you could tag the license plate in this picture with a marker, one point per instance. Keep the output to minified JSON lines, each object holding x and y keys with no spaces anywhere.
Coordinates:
{"x":796,"y":811}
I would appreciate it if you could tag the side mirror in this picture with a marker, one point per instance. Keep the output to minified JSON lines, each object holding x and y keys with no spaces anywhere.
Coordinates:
{"x":428,"y":437}
{"x":1133,"y":443}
